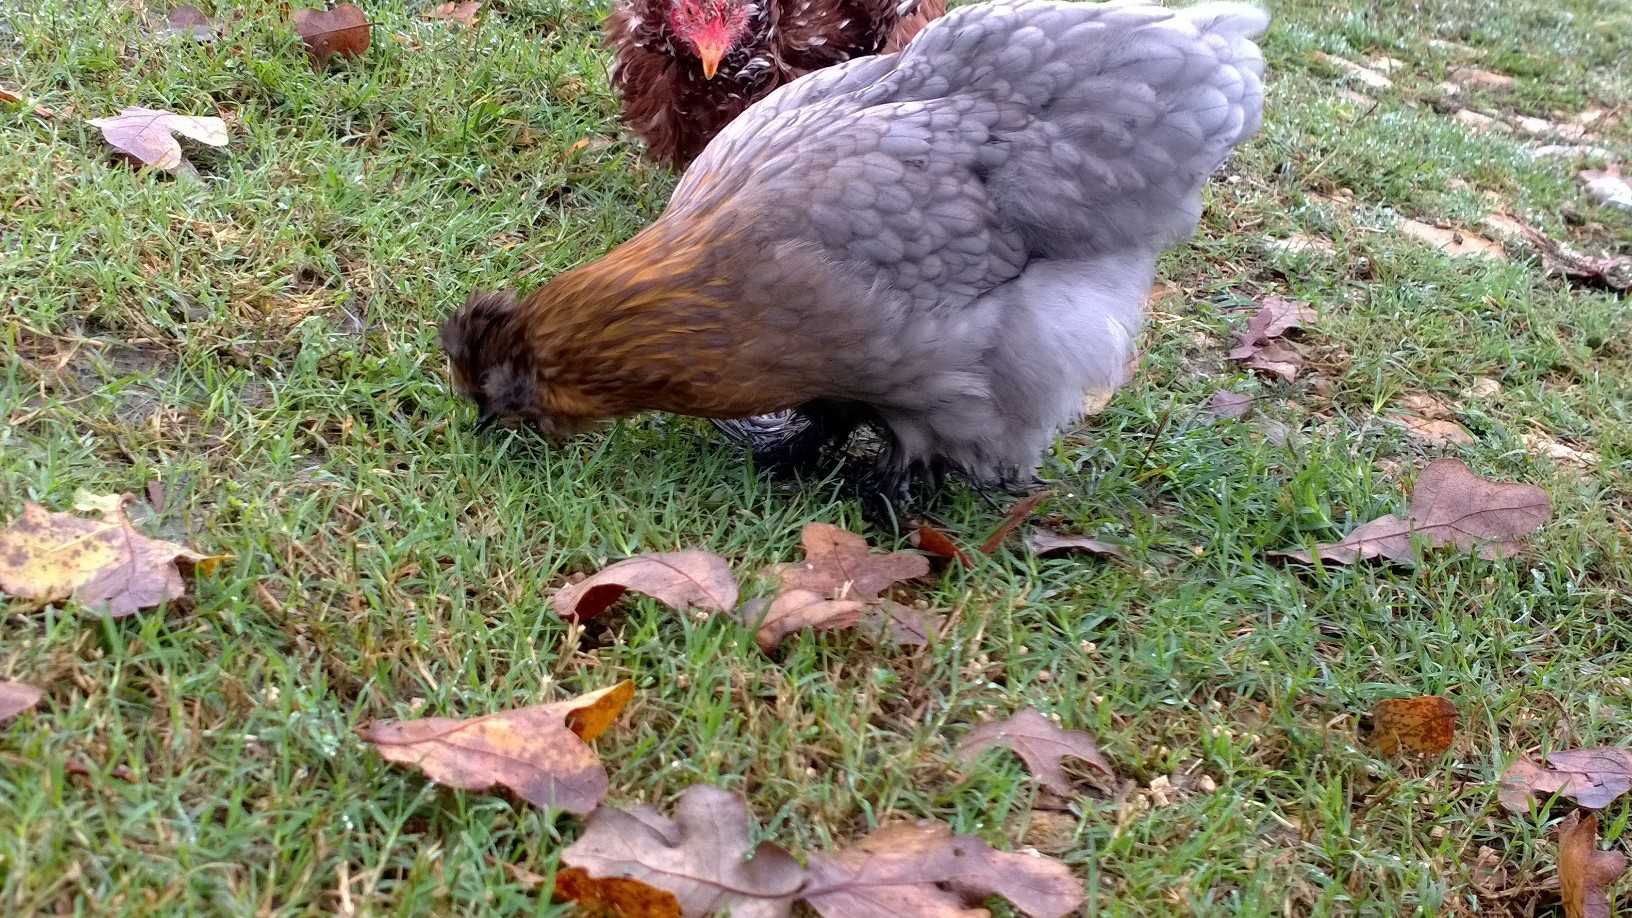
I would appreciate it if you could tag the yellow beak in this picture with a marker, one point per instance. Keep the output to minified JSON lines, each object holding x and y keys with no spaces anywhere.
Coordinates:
{"x":710,"y":53}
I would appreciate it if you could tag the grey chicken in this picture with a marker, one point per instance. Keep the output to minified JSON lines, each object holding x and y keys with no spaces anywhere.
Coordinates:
{"x":951,"y":243}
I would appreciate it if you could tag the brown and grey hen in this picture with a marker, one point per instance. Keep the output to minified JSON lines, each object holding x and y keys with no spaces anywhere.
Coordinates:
{"x":952,"y":243}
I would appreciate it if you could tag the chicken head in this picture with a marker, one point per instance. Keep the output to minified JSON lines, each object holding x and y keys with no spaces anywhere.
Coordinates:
{"x":711,"y":28}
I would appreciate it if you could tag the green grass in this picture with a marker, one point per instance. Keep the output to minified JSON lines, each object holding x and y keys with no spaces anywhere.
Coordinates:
{"x":261,"y":340}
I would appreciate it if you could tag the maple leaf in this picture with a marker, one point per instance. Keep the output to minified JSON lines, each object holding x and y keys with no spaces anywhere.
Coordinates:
{"x":1425,"y":725}
{"x":104,"y":564}
{"x":1593,"y":778}
{"x":679,"y":580}
{"x":342,"y":31}
{"x":1584,"y":872}
{"x":540,"y":752}
{"x":1040,"y":743}
{"x":1259,"y":345}
{"x":15,"y":698}
{"x":147,"y":135}
{"x":698,"y":856}
{"x":922,"y":870}
{"x":1451,"y":506}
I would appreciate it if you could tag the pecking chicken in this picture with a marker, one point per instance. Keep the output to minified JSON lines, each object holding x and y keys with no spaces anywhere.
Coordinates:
{"x":951,"y":243}
{"x":686,"y":68}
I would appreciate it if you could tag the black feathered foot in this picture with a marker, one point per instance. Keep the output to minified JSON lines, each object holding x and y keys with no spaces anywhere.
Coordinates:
{"x":797,"y":442}
{"x":893,"y":498}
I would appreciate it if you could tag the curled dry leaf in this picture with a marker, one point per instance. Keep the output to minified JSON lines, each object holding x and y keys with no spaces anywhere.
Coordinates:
{"x":147,"y":135}
{"x":1044,"y":541}
{"x":840,"y":564}
{"x":1584,"y":872}
{"x":922,"y":869}
{"x":1451,"y":506}
{"x":700,"y":856}
{"x":928,"y":539}
{"x":342,"y":31}
{"x":796,"y":610}
{"x":104,"y":564}
{"x":15,"y":698}
{"x":1259,"y":345}
{"x":679,"y":580}
{"x":1425,"y":725}
{"x":1040,"y":743}
{"x":1593,"y":778}
{"x":462,"y":13}
{"x":540,"y":752}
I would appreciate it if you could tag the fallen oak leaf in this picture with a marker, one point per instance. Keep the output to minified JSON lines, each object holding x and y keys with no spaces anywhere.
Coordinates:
{"x":698,"y":856}
{"x":1585,"y":872}
{"x":1230,"y":405}
{"x":899,"y":624}
{"x":927,"y":538}
{"x":613,"y":896}
{"x":796,"y":610}
{"x":1425,"y":725}
{"x":1451,"y":506}
{"x":1593,"y":778}
{"x":1019,"y":513}
{"x":103,"y":564}
{"x":922,"y":869}
{"x":16,"y":697}
{"x":462,"y":13}
{"x":1451,"y":241}
{"x":1433,"y":431}
{"x":1259,"y":346}
{"x":679,"y":580}
{"x":540,"y":752}
{"x":1040,"y":743}
{"x":839,"y":564}
{"x":147,"y":135}
{"x":343,"y":31}
{"x":1043,"y":541}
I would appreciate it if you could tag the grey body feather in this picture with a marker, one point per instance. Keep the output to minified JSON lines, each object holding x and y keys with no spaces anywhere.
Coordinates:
{"x":986,"y":208}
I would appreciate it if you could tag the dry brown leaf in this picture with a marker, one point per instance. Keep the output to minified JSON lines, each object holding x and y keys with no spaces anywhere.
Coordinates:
{"x":1019,"y":513}
{"x":1584,"y":872}
{"x":189,"y":21}
{"x":1608,"y":186}
{"x":462,"y":13}
{"x":1474,"y":78}
{"x":899,"y":624}
{"x":1044,"y":541}
{"x":15,"y":698}
{"x":1424,"y":725}
{"x":1300,"y":244}
{"x":1259,"y":345}
{"x":839,"y":565}
{"x":1432,"y":431}
{"x":147,"y":135}
{"x":1451,"y":506}
{"x":9,"y":95}
{"x":1450,"y":241}
{"x":1593,"y":778}
{"x":922,"y":870}
{"x":342,"y":31}
{"x":679,"y":580}
{"x":104,"y":564}
{"x":1231,"y":405}
{"x":540,"y":752}
{"x":796,"y":610}
{"x":700,"y":856}
{"x":928,"y":539}
{"x":613,"y":897}
{"x":1040,"y":743}
{"x":1559,"y":452}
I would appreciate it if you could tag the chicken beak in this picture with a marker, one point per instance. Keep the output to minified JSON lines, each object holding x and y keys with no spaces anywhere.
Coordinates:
{"x":710,"y":53}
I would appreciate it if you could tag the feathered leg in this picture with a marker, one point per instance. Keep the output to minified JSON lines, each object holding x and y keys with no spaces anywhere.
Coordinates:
{"x":801,"y":441}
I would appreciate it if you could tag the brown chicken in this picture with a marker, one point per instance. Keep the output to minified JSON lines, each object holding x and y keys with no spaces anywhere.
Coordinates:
{"x":950,"y":244}
{"x":686,"y":68}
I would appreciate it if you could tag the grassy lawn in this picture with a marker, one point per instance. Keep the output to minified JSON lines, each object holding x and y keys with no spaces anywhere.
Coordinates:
{"x":261,"y":341}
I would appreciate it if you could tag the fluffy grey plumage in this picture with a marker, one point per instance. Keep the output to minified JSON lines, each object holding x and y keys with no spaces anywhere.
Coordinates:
{"x":953,"y":243}
{"x":997,"y":195}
